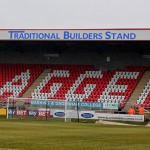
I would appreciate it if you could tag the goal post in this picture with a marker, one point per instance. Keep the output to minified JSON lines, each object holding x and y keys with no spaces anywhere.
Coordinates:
{"x":39,"y":109}
{"x":63,"y":110}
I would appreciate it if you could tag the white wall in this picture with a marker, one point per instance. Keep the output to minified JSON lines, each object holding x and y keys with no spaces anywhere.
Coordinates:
{"x":54,"y":14}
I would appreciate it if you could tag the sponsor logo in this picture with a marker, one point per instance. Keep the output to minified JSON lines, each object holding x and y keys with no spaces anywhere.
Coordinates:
{"x":21,"y":112}
{"x":59,"y":114}
{"x":11,"y":111}
{"x":87,"y":115}
{"x":42,"y":113}
{"x":32,"y":113}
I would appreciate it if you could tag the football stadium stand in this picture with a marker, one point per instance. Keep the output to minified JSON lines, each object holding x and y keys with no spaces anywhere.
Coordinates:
{"x":144,"y":98}
{"x":16,"y":79}
{"x":75,"y":82}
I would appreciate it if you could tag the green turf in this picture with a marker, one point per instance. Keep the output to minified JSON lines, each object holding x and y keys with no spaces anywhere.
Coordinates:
{"x":42,"y":135}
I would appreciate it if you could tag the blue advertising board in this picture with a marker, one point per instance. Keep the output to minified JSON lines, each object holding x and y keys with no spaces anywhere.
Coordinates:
{"x":56,"y":103}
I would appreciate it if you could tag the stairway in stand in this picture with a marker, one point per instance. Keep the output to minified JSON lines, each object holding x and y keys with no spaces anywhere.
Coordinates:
{"x":36,"y":83}
{"x":138,"y":90}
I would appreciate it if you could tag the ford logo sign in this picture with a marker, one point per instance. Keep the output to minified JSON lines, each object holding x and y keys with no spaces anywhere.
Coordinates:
{"x":87,"y":115}
{"x":59,"y":114}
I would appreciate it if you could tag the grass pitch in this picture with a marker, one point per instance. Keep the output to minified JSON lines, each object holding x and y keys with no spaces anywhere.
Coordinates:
{"x":42,"y":135}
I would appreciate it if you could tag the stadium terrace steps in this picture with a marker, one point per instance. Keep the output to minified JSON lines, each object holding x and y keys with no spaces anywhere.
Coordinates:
{"x":16,"y":78}
{"x":144,"y":98}
{"x":89,"y":86}
{"x":138,"y":90}
{"x":74,"y":82}
{"x":36,"y":83}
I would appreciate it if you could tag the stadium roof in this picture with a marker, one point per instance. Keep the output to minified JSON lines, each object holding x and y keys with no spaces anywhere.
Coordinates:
{"x":141,"y":47}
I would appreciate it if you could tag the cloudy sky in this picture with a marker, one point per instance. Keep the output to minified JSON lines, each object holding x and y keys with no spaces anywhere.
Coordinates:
{"x":78,"y":14}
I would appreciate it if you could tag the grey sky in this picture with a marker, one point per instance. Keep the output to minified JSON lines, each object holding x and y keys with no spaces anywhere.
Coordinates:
{"x":55,"y":14}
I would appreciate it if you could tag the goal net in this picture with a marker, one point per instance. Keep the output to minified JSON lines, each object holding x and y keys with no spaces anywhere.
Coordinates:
{"x":25,"y":108}
{"x":62,"y":110}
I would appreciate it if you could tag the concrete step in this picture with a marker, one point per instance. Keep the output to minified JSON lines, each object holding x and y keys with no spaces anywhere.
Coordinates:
{"x":36,"y":83}
{"x":138,"y":90}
